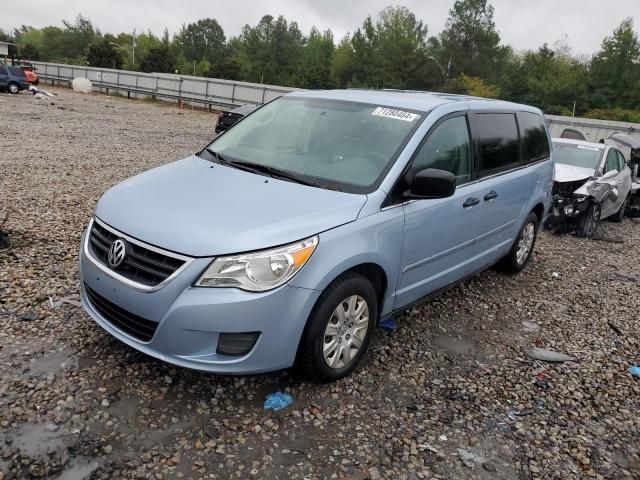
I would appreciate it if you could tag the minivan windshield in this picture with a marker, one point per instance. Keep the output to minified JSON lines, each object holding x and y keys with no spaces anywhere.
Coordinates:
{"x":583,"y":156}
{"x":329,"y":143}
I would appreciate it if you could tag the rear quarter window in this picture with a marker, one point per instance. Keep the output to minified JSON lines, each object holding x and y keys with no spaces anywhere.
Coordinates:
{"x":498,"y":142}
{"x":17,"y":71}
{"x":535,"y":143}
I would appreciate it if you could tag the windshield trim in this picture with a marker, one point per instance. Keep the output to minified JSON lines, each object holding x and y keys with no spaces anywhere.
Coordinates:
{"x":337,"y":185}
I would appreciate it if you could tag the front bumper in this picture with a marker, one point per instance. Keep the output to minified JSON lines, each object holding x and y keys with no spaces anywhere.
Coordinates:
{"x":566,"y":210}
{"x":191,"y":319}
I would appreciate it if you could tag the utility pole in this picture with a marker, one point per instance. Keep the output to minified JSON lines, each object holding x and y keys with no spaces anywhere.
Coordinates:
{"x":133,"y":48}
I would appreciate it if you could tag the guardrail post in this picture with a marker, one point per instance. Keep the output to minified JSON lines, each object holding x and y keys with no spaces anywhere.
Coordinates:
{"x":233,"y":94}
{"x":264,"y":92}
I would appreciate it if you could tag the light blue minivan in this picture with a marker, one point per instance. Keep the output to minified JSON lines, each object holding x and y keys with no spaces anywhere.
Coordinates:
{"x":292,"y":234}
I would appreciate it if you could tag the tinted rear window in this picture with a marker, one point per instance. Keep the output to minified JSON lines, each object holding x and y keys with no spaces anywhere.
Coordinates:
{"x":16,"y":71}
{"x":497,"y":135}
{"x":535,"y":144}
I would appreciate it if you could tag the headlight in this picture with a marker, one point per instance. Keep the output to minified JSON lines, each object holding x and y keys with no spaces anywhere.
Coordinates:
{"x":259,"y":271}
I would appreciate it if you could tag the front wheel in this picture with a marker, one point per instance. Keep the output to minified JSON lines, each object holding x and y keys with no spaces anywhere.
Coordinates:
{"x":14,"y":87}
{"x":339,"y":329}
{"x":522,"y":247}
{"x":590,"y":221}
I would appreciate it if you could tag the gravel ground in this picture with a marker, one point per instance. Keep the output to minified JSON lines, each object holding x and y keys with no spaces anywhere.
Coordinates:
{"x":447,"y":394}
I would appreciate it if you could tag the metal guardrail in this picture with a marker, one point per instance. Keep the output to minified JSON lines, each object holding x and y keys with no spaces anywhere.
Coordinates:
{"x":592,"y":128}
{"x":199,"y":90}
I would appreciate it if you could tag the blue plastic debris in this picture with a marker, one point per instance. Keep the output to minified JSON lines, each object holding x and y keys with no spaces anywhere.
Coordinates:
{"x":277,"y":401}
{"x":388,"y":324}
{"x":635,"y":370}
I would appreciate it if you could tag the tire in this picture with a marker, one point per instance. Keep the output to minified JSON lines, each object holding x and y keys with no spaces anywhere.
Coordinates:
{"x":317,"y":360}
{"x":13,"y":87}
{"x":522,"y":248}
{"x":590,"y":221}
{"x":620,"y":214}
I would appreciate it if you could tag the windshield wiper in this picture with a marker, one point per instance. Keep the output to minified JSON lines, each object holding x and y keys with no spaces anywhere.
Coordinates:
{"x":262,"y":169}
{"x":223,"y":161}
{"x":274,"y":172}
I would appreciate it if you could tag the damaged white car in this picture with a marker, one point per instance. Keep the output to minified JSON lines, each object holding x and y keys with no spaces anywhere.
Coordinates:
{"x":592,"y":182}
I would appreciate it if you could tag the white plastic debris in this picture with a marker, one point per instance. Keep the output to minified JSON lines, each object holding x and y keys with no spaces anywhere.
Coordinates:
{"x":555,"y":275}
{"x":82,"y":85}
{"x":547,"y":355}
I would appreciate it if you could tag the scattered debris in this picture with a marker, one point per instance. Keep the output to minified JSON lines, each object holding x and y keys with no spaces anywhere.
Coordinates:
{"x":555,"y":275}
{"x":71,"y":300}
{"x":614,"y":327}
{"x":635,"y":370}
{"x":470,"y":459}
{"x":547,"y":355}
{"x":598,"y":236}
{"x":40,"y":94}
{"x":489,"y":467}
{"x":530,"y":326}
{"x":388,"y":324}
{"x":359,"y":475}
{"x":28,"y":317}
{"x":277,"y":401}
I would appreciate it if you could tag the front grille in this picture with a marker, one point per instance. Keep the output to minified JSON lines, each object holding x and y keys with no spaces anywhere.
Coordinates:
{"x":131,"y":324}
{"x":140,"y":265}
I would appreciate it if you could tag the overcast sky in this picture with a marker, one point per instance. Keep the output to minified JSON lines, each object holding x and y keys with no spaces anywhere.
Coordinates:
{"x":525,"y":24}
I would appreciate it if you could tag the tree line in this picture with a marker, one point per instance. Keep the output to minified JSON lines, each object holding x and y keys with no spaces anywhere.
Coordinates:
{"x":391,"y":50}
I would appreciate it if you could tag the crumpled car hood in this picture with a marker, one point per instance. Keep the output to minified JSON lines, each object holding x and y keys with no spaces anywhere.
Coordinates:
{"x":570,"y":173}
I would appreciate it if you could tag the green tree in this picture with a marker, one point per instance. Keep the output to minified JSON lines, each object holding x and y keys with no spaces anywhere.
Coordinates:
{"x":615,"y":70}
{"x":29,"y":52}
{"x":105,"y":54}
{"x":201,"y":40}
{"x":342,"y":63}
{"x":390,"y":53}
{"x":271,"y":51}
{"x":77,"y":36}
{"x":469,"y":43}
{"x":549,"y":79}
{"x":315,"y":64}
{"x":159,"y":58}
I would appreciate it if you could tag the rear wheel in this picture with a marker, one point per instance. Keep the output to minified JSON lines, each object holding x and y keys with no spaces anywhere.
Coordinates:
{"x":13,"y":87}
{"x":339,"y":329}
{"x":590,"y":221}
{"x":522,"y":248}
{"x":620,"y":214}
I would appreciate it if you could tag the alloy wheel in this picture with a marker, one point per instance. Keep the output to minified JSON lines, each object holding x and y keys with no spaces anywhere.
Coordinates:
{"x":592,"y":221}
{"x":345,"y":332}
{"x":525,"y":243}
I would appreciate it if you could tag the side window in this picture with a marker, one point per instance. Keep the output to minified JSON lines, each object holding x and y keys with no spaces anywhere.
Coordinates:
{"x":612,"y":161}
{"x":535,"y":144}
{"x":497,"y":136}
{"x":621,"y":161}
{"x":447,"y":148}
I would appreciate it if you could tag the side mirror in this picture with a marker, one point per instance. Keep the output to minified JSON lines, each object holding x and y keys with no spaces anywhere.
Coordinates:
{"x":432,"y":183}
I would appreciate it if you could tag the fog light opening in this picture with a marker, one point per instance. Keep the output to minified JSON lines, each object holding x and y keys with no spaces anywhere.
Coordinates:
{"x":236,"y":344}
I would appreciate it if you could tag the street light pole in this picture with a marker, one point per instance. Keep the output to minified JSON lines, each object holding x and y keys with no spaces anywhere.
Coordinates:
{"x":133,"y":48}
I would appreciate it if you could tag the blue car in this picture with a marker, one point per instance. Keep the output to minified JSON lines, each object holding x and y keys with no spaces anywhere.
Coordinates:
{"x":12,"y":79}
{"x":287,"y":239}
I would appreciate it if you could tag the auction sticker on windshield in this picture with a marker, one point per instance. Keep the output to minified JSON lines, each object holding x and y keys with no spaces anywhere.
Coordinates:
{"x":397,"y":114}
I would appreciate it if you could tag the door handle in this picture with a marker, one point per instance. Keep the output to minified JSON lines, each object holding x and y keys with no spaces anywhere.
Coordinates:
{"x":471,"y":202}
{"x":491,"y":195}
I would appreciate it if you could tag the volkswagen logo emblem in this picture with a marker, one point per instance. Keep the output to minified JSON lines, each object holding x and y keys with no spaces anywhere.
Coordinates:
{"x":117,"y":253}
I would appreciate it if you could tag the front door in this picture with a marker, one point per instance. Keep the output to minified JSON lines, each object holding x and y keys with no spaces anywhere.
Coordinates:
{"x":620,"y":184}
{"x":438,"y":247}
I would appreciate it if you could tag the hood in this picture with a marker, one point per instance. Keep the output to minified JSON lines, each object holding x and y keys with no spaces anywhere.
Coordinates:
{"x":569,"y":173}
{"x":199,"y":208}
